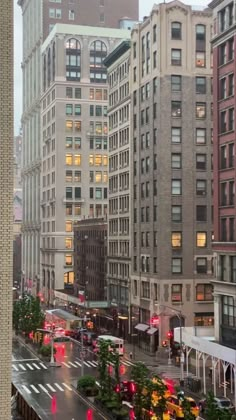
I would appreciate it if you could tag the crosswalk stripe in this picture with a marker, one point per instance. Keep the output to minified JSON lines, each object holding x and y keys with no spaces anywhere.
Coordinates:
{"x":79,"y":364}
{"x":16,"y":368}
{"x":66,"y":364}
{"x":37,"y":367}
{"x":29,"y":366}
{"x":59,"y":387}
{"x":86,"y":364}
{"x":127,"y":363}
{"x":41,"y":364}
{"x":26,"y":389}
{"x":50,"y":387}
{"x":72,"y":364}
{"x":35,"y":389}
{"x":22,"y":367}
{"x":91,"y":363}
{"x":43,"y":388}
{"x":66,"y":386}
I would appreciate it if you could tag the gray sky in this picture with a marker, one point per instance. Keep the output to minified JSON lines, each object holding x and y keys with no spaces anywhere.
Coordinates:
{"x":145,"y":8}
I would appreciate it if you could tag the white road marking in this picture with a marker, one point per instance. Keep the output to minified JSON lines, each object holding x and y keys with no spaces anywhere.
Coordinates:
{"x":86,"y":364}
{"x":22,"y":367}
{"x":79,"y":364}
{"x":91,"y":363}
{"x":35,"y":389}
{"x":24,"y":360}
{"x":66,"y":386}
{"x":37,"y":367}
{"x":59,"y":387}
{"x":72,"y":364}
{"x":51,"y":388}
{"x":26,"y":389}
{"x":41,"y":364}
{"x":66,"y":364}
{"x":29,"y":366}
{"x":16,"y":368}
{"x":127,"y":363}
{"x":44,"y":389}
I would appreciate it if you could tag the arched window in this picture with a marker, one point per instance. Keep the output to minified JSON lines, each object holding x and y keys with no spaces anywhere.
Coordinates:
{"x":176,"y":30}
{"x":49,"y":67}
{"x":98,"y":52}
{"x":53,"y":61}
{"x":73,"y":60}
{"x":44,"y":72}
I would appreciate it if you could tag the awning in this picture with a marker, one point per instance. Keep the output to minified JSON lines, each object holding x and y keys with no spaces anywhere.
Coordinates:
{"x":141,"y":327}
{"x":152,"y":331}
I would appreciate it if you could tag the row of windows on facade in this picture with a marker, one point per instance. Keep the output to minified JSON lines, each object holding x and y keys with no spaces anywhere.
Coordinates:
{"x":94,"y":176}
{"x":119,"y":139}
{"x":120,"y":271}
{"x":97,"y":160}
{"x":226,"y":17}
{"x":176,"y":188}
{"x":176,"y":111}
{"x":121,"y":225}
{"x":74,"y":93}
{"x":201,"y":215}
{"x":119,"y":182}
{"x":95,"y":210}
{"x":176,"y":239}
{"x":226,"y":52}
{"x":98,"y":72}
{"x":76,"y":109}
{"x":226,"y":86}
{"x":75,"y":192}
{"x":176,"y":137}
{"x":119,"y":95}
{"x":119,"y":160}
{"x":176,"y":162}
{"x":119,"y":205}
{"x":99,"y":209}
{"x":176,"y":86}
{"x":227,"y":268}
{"x":226,"y":120}
{"x":119,"y":117}
{"x":227,"y":229}
{"x":201,"y":319}
{"x":176,"y":54}
{"x":118,"y":74}
{"x":98,"y":143}
{"x":119,"y":248}
{"x":204,"y":292}
{"x":176,"y":265}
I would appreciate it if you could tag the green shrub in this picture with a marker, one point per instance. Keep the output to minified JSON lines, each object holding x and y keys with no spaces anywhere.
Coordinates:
{"x":86,"y":382}
{"x":46,"y":350}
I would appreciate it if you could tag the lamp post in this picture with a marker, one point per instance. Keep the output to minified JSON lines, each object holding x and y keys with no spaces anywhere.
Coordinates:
{"x":179,"y":316}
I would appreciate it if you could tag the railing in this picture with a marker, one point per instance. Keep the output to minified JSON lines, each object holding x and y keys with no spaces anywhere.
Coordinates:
{"x":22,"y":407}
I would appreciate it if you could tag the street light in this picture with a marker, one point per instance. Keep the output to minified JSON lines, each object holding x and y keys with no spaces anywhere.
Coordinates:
{"x":51,"y":333}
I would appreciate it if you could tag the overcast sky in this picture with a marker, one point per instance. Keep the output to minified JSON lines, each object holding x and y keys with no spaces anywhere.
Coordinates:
{"x":145,"y":8}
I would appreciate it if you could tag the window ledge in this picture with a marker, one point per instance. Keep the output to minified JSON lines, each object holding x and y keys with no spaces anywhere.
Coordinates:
{"x":204,"y":301}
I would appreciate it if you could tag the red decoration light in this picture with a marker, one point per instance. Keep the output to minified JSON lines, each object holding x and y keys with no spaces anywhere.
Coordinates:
{"x":54,"y":405}
{"x":109,"y":368}
{"x":122,"y":369}
{"x":169,"y":334}
{"x":133,"y":387}
{"x":89,"y":414}
{"x":131,"y":414}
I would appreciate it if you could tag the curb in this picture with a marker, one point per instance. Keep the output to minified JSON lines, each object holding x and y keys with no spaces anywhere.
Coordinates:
{"x":17,"y":338}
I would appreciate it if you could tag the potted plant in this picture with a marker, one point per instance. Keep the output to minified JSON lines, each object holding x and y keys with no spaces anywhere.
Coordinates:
{"x":45,"y":351}
{"x":87,"y":385}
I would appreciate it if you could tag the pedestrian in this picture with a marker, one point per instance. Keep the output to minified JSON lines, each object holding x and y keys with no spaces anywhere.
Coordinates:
{"x":131,"y":355}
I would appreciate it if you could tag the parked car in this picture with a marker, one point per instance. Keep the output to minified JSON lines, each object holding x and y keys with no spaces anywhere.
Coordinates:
{"x":222,"y":403}
{"x":174,"y":406}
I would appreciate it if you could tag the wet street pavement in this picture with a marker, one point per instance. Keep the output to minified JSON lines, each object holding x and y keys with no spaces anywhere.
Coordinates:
{"x":50,"y":390}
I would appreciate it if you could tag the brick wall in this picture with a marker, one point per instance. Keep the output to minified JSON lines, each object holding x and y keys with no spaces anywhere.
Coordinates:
{"x":6,"y":199}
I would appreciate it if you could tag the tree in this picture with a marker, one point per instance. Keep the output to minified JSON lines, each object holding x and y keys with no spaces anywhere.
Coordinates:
{"x":187,"y":409}
{"x":27,"y":315}
{"x":104,"y":357}
{"x":211,"y":412}
{"x":139,"y":373}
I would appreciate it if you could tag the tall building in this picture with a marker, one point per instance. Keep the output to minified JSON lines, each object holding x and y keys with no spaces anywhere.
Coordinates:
{"x":39,"y":17}
{"x":6,"y":208}
{"x":224,"y":245}
{"x":119,"y":229}
{"x":171,"y":149}
{"x":74,"y":142}
{"x":90,"y":254}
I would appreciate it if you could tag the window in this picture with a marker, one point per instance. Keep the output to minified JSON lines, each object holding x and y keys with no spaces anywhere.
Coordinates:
{"x":231,"y":155}
{"x":222,"y":54}
{"x":201,"y":162}
{"x":231,"y":119}
{"x":223,"y":229}
{"x":77,"y":160}
{"x":154,"y":33}
{"x":175,"y":30}
{"x":201,"y":85}
{"x":231,"y":193}
{"x":204,"y":292}
{"x":176,"y":57}
{"x":154,"y":59}
{"x":201,"y":239}
{"x":98,"y":193}
{"x":223,"y":124}
{"x":232,"y":269}
{"x":176,"y":109}
{"x":223,"y":88}
{"x":68,"y":176}
{"x":69,"y":126}
{"x":201,"y":186}
{"x":98,"y":52}
{"x":228,"y":311}
{"x":176,"y":292}
{"x":200,"y":110}
{"x":223,"y":157}
{"x":200,"y":36}
{"x":176,"y":239}
{"x":145,"y":285}
{"x":77,"y":143}
{"x":176,"y":188}
{"x":77,"y":210}
{"x":69,"y":92}
{"x":77,"y":176}
{"x":77,"y":109}
{"x":68,"y":243}
{"x":73,"y":60}
{"x":223,"y":193}
{"x":68,"y":192}
{"x":77,"y":126}
{"x":176,"y":214}
{"x":176,"y":161}
{"x":200,"y":59}
{"x":77,"y":192}
{"x":69,"y":109}
{"x":231,"y":85}
{"x":176,"y":82}
{"x":230,"y":49}
{"x":69,"y":159}
{"x":176,"y":265}
{"x":200,"y":135}
{"x":201,"y":213}
{"x":68,"y":226}
{"x":201,"y":265}
{"x":69,"y":210}
{"x":175,"y":135}
{"x":69,"y":142}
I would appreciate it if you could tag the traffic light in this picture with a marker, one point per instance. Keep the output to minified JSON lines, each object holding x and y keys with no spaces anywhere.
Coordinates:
{"x":164,"y":343}
{"x":169,"y":335}
{"x":89,"y":414}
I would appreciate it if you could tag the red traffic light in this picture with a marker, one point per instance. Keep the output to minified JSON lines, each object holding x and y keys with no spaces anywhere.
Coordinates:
{"x":89,"y":414}
{"x":169,"y":334}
